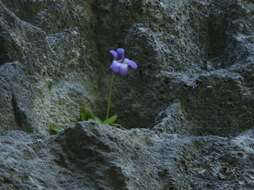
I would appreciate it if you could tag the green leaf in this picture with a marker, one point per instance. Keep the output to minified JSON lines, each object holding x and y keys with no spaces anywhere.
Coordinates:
{"x":54,"y":129}
{"x":98,"y":120}
{"x":110,"y":121}
{"x":85,"y":114}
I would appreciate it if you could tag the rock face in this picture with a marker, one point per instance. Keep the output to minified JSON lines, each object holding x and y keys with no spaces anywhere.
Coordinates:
{"x":91,"y":156}
{"x":187,"y":113}
{"x":51,"y":60}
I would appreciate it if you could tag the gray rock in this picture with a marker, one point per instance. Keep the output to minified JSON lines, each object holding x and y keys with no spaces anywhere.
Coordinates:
{"x":190,"y":102}
{"x":91,"y":156}
{"x":173,"y":121}
{"x":62,"y":46}
{"x":44,"y":73}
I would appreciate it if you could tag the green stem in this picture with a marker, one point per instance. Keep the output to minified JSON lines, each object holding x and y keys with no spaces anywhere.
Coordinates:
{"x":110,"y":96}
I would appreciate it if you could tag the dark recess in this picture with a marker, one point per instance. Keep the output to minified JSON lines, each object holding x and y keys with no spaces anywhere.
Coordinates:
{"x":216,"y":35}
{"x":4,"y":53}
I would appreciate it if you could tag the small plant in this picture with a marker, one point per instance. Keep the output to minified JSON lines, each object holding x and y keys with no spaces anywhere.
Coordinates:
{"x":54,"y":129}
{"x":119,"y":67}
{"x":87,"y":115}
{"x":111,"y":121}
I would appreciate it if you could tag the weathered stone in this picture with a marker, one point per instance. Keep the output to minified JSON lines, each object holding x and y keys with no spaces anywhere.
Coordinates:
{"x":91,"y":156}
{"x":173,"y":121}
{"x":55,"y":76}
{"x":183,"y":38}
{"x":195,"y":79}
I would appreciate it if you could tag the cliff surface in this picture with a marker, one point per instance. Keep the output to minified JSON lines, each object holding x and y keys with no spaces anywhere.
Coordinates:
{"x":186,"y":115}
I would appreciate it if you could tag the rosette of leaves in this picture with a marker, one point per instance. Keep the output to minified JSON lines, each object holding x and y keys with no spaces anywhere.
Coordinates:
{"x":87,"y":115}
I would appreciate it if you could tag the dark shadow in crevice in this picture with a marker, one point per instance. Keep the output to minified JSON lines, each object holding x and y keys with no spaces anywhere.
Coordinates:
{"x":25,"y":10}
{"x":216,"y":36}
{"x":20,"y":116}
{"x":5,"y":56}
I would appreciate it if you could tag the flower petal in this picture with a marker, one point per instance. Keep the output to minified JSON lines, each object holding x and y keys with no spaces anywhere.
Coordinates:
{"x":115,"y":67}
{"x":123,"y":69}
{"x":114,"y":54}
{"x":130,"y":63}
{"x":120,"y":53}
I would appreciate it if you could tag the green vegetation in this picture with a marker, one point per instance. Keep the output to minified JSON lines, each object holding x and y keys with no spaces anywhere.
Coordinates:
{"x":54,"y":129}
{"x":87,"y":115}
{"x":84,"y":115}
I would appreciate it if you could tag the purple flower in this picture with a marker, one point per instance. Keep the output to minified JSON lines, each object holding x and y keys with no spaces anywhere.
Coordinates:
{"x":120,"y":64}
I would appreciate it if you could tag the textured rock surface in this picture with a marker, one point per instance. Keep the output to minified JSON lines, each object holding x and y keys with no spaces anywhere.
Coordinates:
{"x":90,"y":156}
{"x":187,"y":51}
{"x":191,"y":101}
{"x":51,"y":60}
